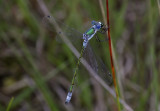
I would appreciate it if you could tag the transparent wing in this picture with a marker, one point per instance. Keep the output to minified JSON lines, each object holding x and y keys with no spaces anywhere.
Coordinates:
{"x":71,"y":33}
{"x":97,"y":65}
{"x":74,"y":36}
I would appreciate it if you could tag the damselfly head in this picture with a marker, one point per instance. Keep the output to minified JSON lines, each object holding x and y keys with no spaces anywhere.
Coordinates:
{"x":101,"y":24}
{"x":104,"y":27}
{"x":98,"y":25}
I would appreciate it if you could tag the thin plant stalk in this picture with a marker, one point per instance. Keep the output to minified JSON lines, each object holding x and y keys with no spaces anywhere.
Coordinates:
{"x":158,"y":2}
{"x":111,"y":58}
{"x":102,"y":10}
{"x":10,"y":103}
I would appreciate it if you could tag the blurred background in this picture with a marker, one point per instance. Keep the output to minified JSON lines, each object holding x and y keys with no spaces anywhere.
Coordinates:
{"x":37,"y":70}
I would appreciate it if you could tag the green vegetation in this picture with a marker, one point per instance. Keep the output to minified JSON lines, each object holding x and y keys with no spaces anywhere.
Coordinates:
{"x":37,"y":70}
{"x":10,"y":103}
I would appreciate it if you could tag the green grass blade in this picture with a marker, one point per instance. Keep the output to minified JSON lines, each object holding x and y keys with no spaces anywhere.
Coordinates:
{"x":10,"y":103}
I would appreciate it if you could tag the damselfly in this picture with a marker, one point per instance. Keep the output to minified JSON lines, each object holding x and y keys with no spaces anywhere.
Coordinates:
{"x":94,"y":62}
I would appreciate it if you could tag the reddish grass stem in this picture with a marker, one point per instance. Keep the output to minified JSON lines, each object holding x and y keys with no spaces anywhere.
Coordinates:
{"x":111,"y":58}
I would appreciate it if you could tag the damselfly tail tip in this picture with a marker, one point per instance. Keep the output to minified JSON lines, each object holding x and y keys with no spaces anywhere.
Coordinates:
{"x":48,"y":16}
{"x":68,"y":98}
{"x":66,"y":102}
